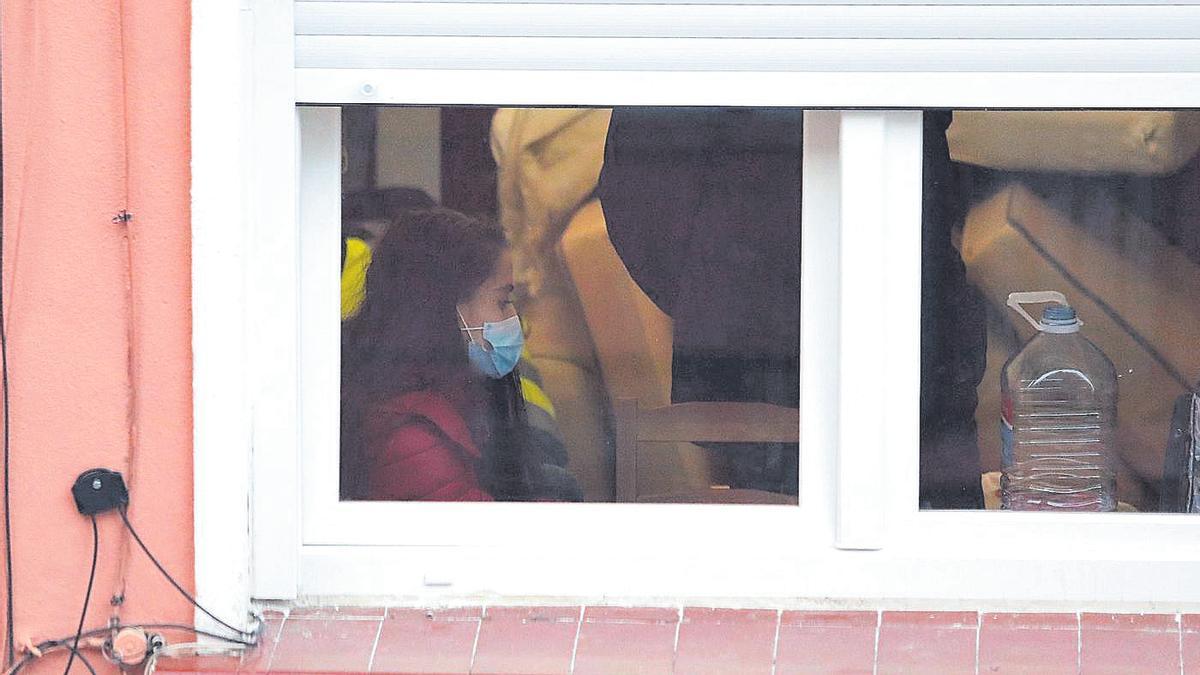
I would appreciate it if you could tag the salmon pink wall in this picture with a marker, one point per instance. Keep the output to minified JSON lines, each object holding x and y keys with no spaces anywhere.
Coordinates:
{"x":95,"y":123}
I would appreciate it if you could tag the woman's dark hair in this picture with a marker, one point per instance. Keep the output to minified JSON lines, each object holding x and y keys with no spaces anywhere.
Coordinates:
{"x":405,"y":337}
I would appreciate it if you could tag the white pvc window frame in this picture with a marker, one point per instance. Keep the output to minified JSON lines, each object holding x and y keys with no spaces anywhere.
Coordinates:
{"x":261,"y":268}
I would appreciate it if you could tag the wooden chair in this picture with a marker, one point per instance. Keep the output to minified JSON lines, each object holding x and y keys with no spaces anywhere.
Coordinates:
{"x":717,"y":422}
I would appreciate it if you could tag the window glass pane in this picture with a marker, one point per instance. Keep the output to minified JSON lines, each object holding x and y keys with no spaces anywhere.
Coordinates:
{"x":526,"y":292}
{"x":1060,"y":327}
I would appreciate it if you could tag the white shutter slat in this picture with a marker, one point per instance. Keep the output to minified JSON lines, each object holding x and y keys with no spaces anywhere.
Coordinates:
{"x":708,"y":54}
{"x":499,"y":19}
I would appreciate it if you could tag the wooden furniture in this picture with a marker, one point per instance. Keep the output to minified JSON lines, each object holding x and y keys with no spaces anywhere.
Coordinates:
{"x":716,"y":422}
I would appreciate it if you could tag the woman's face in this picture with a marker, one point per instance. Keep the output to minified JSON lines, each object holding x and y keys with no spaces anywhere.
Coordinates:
{"x":492,"y":301}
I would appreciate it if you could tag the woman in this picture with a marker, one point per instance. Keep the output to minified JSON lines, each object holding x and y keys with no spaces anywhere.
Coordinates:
{"x":431,"y":407}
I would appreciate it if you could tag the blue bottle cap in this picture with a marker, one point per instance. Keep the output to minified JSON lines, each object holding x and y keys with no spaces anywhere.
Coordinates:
{"x":1058,"y":315}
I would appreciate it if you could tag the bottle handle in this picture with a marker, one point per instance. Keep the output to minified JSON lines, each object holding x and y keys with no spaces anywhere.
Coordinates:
{"x":1015,"y":300}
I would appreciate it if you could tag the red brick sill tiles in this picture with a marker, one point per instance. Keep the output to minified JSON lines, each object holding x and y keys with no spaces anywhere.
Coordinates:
{"x":699,"y":641}
{"x":1033,"y":644}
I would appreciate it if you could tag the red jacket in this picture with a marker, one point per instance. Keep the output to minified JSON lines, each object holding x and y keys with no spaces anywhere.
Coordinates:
{"x":419,"y":448}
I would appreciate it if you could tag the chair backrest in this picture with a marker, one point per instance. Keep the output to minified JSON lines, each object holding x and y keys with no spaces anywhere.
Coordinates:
{"x":714,"y":422}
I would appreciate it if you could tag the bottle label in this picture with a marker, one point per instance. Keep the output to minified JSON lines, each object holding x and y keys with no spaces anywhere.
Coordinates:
{"x":1006,"y":432}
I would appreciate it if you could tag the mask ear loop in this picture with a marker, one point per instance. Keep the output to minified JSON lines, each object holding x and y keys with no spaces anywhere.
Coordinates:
{"x":483,"y":344}
{"x":465,"y":328}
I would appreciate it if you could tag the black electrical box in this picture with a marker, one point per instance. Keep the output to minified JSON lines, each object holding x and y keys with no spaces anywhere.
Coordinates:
{"x":99,"y":490}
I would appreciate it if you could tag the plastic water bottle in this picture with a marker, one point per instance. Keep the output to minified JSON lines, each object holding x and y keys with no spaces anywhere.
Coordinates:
{"x":1059,"y":416}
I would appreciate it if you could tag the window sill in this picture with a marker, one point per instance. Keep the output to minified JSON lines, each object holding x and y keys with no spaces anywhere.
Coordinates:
{"x":576,"y":639}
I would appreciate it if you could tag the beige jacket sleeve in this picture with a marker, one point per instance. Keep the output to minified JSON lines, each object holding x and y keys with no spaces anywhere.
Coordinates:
{"x":548,"y":162}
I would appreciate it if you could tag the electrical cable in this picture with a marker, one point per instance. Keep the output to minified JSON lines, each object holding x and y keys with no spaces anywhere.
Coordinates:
{"x":182,"y":649}
{"x":171,"y":579}
{"x":8,"y":557}
{"x":6,"y":300}
{"x":61,"y":643}
{"x":161,"y":626}
{"x":197,"y":631}
{"x":87,"y":597}
{"x":49,"y":648}
{"x":34,"y":30}
{"x":124,"y":219}
{"x":82,"y":659}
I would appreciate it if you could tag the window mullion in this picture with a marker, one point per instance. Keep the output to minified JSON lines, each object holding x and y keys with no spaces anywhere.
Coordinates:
{"x":880,"y":167}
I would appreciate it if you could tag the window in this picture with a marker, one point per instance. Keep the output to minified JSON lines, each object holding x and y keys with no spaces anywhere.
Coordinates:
{"x":328,"y":521}
{"x":863,"y":78}
{"x":1036,"y":222}
{"x":524,"y":287}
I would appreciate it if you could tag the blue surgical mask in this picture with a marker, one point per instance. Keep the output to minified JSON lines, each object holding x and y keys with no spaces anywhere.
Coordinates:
{"x":506,"y":340}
